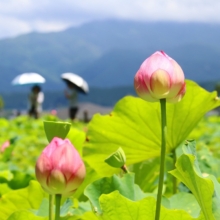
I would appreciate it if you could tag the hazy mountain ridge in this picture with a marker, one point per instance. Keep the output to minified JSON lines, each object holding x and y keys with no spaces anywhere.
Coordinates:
{"x":108,"y":53}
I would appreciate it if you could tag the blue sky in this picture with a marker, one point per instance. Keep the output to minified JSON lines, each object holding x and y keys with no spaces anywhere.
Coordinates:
{"x":24,"y":16}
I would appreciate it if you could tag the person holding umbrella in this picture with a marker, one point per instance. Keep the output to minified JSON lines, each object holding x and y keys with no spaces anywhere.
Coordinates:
{"x":75,"y":84}
{"x":72,"y":95}
{"x":36,"y":98}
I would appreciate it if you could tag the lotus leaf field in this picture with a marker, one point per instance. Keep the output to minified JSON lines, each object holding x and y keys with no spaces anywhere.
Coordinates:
{"x":191,"y":189}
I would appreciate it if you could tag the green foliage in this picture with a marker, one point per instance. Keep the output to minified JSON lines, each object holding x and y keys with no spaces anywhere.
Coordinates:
{"x":134,"y":125}
{"x":118,"y":207}
{"x":19,"y":162}
{"x":202,"y":188}
{"x":205,"y":189}
{"x":207,"y":134}
{"x":85,"y":216}
{"x":185,"y":201}
{"x":124,"y":185}
{"x":27,"y":198}
{"x":23,"y":214}
{"x":31,"y":140}
{"x":19,"y":180}
{"x":146,"y":174}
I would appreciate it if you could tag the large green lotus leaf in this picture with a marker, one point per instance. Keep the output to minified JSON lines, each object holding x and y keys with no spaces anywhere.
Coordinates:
{"x":134,"y":125}
{"x":25,"y":215}
{"x":6,"y":175}
{"x":4,"y":122}
{"x":77,"y":138}
{"x":146,"y":174}
{"x":43,"y":210}
{"x":207,"y":162}
{"x":106,"y":185}
{"x":20,"y":179}
{"x":205,"y":189}
{"x":28,"y":198}
{"x":216,"y":197}
{"x":202,"y":188}
{"x":185,"y":201}
{"x":4,"y":188}
{"x":85,"y":216}
{"x":91,"y":176}
{"x":79,"y":211}
{"x":117,"y":207}
{"x":68,"y":208}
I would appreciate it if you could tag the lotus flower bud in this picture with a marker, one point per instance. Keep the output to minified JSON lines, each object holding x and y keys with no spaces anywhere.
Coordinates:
{"x":160,"y":77}
{"x":5,"y":145}
{"x":59,"y":169}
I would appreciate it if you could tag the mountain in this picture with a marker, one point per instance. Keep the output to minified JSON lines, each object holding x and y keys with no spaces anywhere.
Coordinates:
{"x":108,"y":53}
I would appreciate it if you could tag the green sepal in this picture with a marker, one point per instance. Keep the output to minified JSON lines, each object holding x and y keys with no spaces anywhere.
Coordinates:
{"x":56,"y":129}
{"x":117,"y":159}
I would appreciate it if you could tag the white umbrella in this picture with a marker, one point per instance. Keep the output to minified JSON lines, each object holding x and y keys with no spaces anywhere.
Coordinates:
{"x":78,"y":81}
{"x":28,"y":78}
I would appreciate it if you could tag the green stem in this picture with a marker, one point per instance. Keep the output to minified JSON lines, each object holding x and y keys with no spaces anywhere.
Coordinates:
{"x":57,"y":212}
{"x":162,"y":157}
{"x":174,"y":178}
{"x":51,"y":202}
{"x":125,"y":169}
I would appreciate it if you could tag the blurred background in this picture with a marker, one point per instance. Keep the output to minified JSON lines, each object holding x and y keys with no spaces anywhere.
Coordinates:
{"x":104,"y":42}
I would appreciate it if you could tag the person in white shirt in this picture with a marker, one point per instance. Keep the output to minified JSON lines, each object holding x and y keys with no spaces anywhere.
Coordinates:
{"x":72,"y":95}
{"x":36,"y":98}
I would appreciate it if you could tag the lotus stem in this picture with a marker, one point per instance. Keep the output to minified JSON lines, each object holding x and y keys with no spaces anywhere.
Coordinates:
{"x":125,"y":169}
{"x":174,"y":178}
{"x":162,"y":157}
{"x":51,"y":202}
{"x":57,"y":212}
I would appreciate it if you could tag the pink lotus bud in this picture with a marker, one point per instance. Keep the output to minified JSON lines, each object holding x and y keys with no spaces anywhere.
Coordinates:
{"x":160,"y":77}
{"x":5,"y":145}
{"x":53,"y":112}
{"x":59,"y":169}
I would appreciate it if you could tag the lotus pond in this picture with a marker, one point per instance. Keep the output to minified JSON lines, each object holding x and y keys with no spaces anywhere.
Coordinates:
{"x":192,"y":173}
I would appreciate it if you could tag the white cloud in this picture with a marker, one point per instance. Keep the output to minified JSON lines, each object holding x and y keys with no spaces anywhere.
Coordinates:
{"x":46,"y":26}
{"x":10,"y":27}
{"x":22,"y":16}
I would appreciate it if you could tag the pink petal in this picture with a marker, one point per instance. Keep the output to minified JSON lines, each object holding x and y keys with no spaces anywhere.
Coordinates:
{"x":179,"y":96}
{"x":156,"y":61}
{"x":76,"y":180}
{"x":66,"y":159}
{"x":53,"y":145}
{"x":5,"y":145}
{"x":141,"y":88}
{"x":42,"y":169}
{"x":177,"y":80}
{"x":56,"y":183}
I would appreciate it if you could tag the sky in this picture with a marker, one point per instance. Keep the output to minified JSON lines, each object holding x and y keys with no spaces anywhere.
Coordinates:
{"x":24,"y":16}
